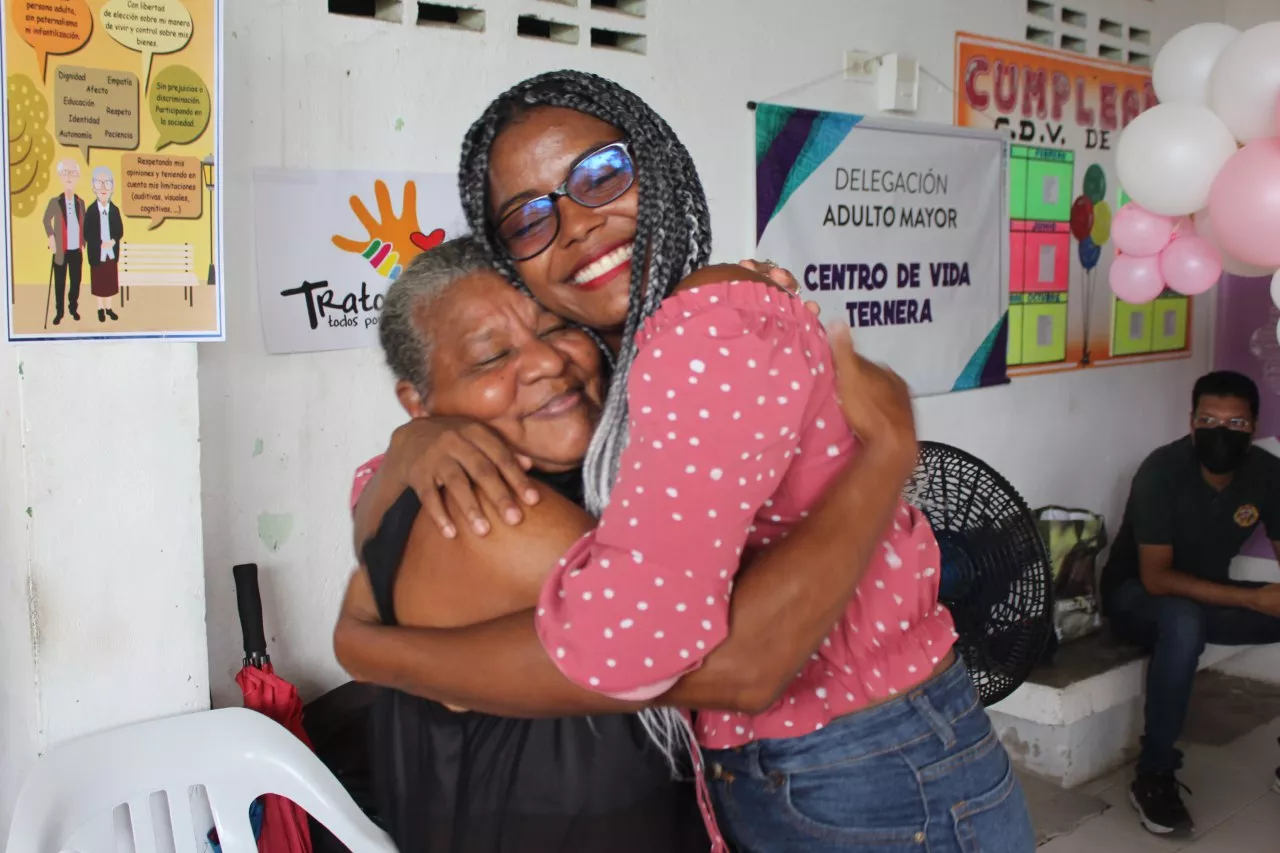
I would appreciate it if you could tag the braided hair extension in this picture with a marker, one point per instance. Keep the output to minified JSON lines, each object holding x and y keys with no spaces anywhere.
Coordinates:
{"x":673,"y":229}
{"x":673,"y":238}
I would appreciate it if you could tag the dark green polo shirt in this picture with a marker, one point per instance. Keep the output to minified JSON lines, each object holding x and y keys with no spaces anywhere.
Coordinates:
{"x":1171,"y":504}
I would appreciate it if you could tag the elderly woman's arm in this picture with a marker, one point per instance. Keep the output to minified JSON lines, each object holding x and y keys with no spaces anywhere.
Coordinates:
{"x":785,"y":603}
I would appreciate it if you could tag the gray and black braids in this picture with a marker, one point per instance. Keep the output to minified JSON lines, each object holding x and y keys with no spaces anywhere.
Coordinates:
{"x":673,"y":227}
{"x":673,"y":238}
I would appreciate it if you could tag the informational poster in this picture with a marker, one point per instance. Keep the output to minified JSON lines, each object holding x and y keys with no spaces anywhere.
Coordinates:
{"x":898,"y":227}
{"x":330,"y":243}
{"x":114,"y":121}
{"x":1245,"y":340}
{"x":1063,"y":113}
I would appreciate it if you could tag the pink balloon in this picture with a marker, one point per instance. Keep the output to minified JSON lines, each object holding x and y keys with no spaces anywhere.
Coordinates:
{"x":1245,"y":204}
{"x":1136,"y":280}
{"x":1139,"y":232}
{"x":1191,"y":265}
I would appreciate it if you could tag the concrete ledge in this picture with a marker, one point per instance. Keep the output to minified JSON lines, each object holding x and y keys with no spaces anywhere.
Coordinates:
{"x":1064,"y":705}
{"x":1072,"y":731}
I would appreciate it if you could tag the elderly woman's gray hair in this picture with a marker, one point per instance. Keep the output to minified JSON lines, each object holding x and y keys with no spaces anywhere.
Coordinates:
{"x":404,"y":342}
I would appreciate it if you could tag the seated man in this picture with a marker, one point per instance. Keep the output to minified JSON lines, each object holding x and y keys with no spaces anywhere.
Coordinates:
{"x":1193,"y":506}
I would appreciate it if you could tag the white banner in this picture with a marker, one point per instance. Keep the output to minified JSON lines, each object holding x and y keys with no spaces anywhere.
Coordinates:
{"x":330,"y":243}
{"x":899,"y":228}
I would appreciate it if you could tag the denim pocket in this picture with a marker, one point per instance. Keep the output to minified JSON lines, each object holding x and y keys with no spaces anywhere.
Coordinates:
{"x":996,"y":821}
{"x":873,"y":802}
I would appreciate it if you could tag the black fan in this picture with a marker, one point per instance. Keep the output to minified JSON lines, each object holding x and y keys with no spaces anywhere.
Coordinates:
{"x":996,"y":577}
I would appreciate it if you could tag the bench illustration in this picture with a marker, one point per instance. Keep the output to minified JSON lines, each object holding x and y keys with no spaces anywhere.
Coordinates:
{"x":157,"y":265}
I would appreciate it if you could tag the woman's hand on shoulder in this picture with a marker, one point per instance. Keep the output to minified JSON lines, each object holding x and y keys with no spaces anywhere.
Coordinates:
{"x":764,"y":272}
{"x":466,"y":459}
{"x":721,"y":273}
{"x":780,"y":278}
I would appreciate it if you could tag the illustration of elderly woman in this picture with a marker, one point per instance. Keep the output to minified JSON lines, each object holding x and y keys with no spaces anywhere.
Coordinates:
{"x":103,"y":230}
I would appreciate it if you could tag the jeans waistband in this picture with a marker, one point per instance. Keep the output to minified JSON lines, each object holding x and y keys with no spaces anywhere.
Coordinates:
{"x":928,"y":710}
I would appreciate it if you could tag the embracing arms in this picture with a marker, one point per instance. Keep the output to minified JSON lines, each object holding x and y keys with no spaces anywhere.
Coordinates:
{"x":783,"y":604}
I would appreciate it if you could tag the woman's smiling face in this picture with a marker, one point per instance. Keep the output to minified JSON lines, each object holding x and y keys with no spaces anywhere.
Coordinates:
{"x":585,"y":273}
{"x":497,"y":357}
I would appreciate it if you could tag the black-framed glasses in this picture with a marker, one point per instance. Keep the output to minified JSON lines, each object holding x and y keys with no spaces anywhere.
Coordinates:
{"x":599,"y":177}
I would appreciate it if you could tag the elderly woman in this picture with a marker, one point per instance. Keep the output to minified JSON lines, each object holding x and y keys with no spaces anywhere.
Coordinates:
{"x":464,"y":344}
{"x":103,"y":230}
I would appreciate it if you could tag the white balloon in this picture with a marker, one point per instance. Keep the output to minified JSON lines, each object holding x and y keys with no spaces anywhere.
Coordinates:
{"x":1183,"y":66}
{"x":1264,"y":345}
{"x":1275,"y":289}
{"x":1245,"y":83}
{"x":1168,"y":157}
{"x":1204,"y":227}
{"x":1237,"y":267}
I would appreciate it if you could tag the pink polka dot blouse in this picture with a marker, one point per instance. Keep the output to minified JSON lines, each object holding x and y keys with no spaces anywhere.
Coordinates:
{"x":735,"y":433}
{"x":363,"y":475}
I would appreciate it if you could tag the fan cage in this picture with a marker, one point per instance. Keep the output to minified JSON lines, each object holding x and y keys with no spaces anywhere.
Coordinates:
{"x":995,"y":576}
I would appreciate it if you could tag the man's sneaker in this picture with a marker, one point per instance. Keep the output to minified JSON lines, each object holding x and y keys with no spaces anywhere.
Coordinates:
{"x":1159,"y":803}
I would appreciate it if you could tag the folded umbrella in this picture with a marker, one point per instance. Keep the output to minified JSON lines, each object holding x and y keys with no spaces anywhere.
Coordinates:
{"x":284,"y":825}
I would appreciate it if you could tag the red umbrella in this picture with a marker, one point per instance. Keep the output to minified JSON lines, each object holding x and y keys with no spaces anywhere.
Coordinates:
{"x":284,"y":825}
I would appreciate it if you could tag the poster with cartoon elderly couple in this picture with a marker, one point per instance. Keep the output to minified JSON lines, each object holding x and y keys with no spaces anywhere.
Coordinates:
{"x":113,"y":116}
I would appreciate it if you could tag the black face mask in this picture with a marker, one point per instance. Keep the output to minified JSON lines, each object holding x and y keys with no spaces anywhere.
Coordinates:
{"x":1221,"y":450}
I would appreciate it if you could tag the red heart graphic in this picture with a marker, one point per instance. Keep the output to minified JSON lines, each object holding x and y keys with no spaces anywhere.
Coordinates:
{"x":427,"y":241}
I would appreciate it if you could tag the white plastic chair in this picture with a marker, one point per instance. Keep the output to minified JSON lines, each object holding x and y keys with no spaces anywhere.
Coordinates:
{"x":235,"y":754}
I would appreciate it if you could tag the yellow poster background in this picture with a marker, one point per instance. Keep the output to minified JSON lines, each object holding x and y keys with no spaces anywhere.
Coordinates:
{"x":164,"y":308}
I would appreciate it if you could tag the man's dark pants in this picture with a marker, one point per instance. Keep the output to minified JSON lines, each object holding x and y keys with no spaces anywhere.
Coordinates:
{"x":71,"y":263}
{"x":1175,"y":631}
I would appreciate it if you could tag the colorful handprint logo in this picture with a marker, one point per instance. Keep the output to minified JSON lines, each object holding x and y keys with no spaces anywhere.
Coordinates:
{"x":393,"y":240}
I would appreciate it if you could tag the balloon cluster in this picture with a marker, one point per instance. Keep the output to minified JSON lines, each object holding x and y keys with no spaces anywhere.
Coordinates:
{"x":1091,"y":217}
{"x":1154,"y":252}
{"x":1210,"y":151}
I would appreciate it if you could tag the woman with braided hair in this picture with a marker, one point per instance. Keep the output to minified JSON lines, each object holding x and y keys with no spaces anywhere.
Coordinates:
{"x":721,"y":429}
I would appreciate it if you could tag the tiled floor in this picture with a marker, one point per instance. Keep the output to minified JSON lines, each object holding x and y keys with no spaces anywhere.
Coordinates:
{"x":1233,"y":805}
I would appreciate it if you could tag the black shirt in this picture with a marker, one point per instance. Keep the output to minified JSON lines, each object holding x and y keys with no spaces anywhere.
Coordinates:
{"x":1171,"y":504}
{"x":447,"y":782}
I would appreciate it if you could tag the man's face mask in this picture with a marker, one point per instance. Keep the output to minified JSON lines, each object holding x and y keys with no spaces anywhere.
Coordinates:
{"x":1222,"y":450}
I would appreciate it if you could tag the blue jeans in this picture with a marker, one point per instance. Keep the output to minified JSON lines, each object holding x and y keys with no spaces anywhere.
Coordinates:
{"x":1175,"y":630}
{"x":924,"y":773}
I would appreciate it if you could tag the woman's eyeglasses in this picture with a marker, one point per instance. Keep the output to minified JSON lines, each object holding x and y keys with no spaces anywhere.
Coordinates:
{"x":598,"y":178}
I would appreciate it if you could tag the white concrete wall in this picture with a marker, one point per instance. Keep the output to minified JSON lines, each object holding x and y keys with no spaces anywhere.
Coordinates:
{"x":1249,"y":13}
{"x":311,"y":89}
{"x":19,"y":690}
{"x":101,"y":585}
